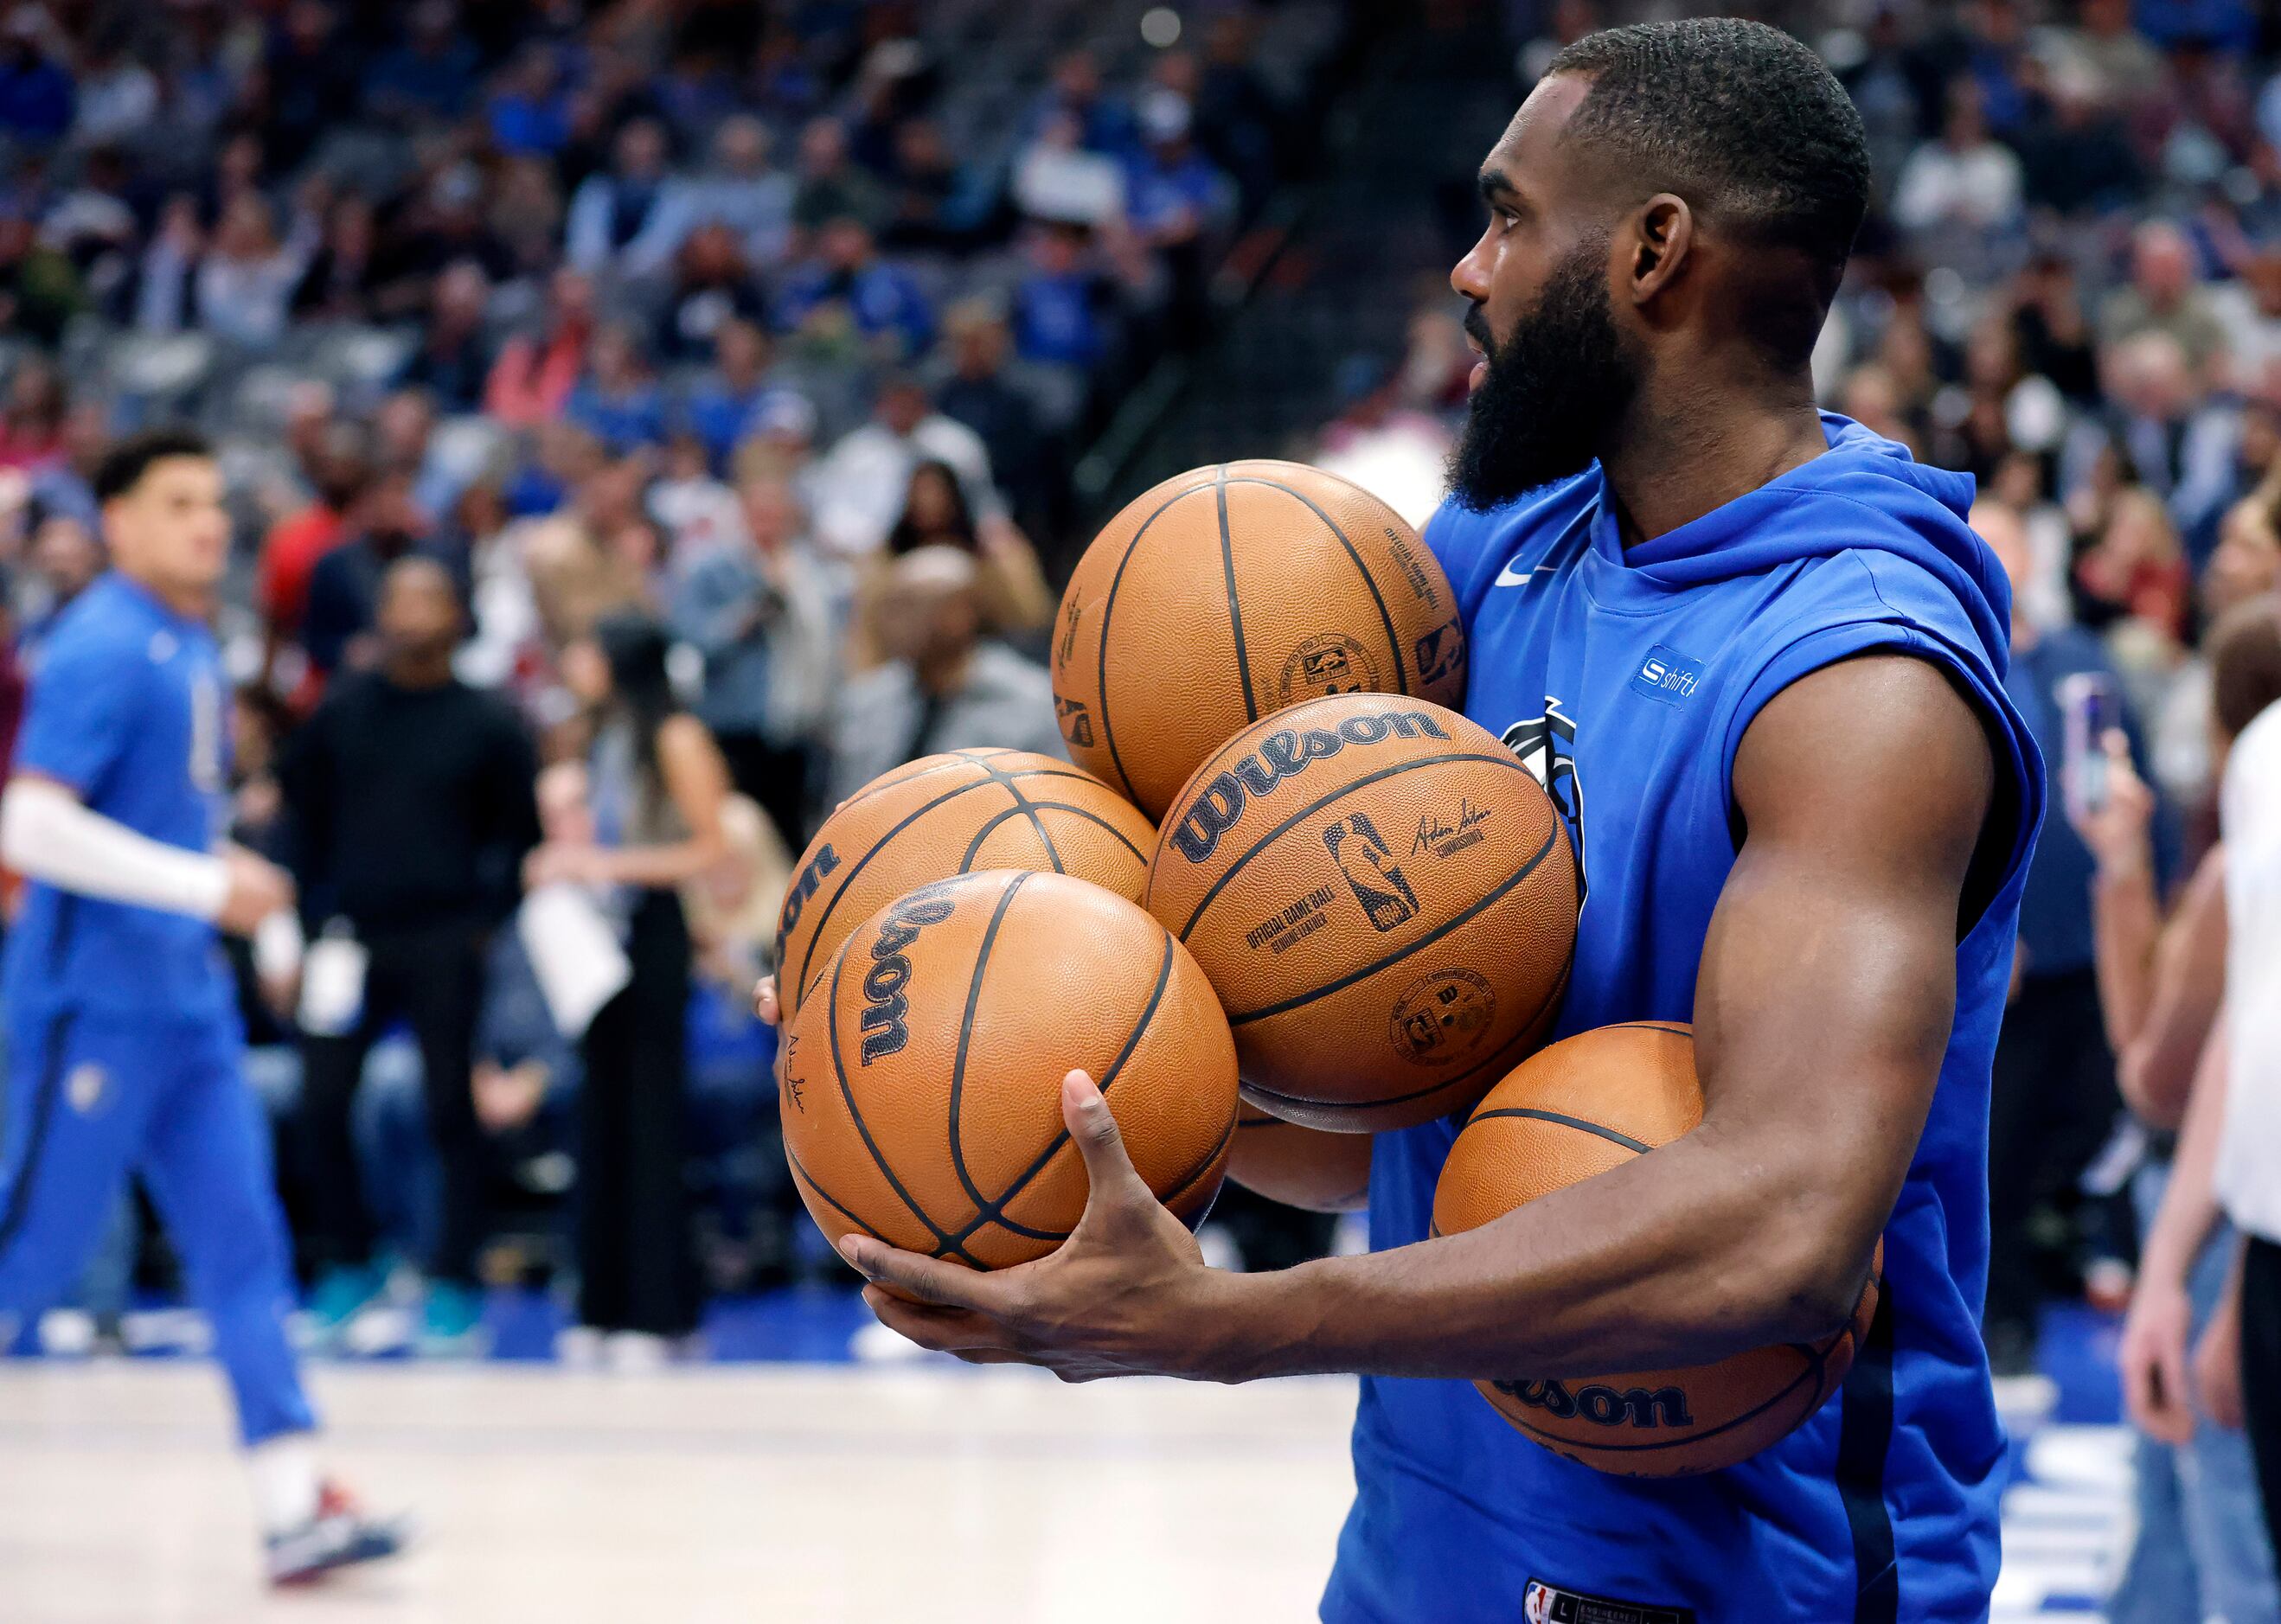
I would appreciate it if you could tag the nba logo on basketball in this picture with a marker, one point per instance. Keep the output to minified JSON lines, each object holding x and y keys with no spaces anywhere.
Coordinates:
{"x":1361,"y":856}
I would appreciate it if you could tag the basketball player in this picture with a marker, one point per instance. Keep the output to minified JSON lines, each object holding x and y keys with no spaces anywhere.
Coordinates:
{"x":1758,"y":655}
{"x":122,"y":1030}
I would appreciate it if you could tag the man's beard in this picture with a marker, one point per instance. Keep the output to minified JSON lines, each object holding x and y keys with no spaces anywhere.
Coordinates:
{"x":1553,"y":391}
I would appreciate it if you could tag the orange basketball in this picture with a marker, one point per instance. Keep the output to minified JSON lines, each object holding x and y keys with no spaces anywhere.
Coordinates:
{"x":944,"y":815}
{"x":1384,"y":900}
{"x":922,"y":1081}
{"x":1232,"y":592}
{"x":1299,"y":1166}
{"x":1583,"y":1106}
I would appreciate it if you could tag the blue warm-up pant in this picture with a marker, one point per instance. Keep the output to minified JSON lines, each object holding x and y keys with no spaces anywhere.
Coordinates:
{"x":92,"y":1098}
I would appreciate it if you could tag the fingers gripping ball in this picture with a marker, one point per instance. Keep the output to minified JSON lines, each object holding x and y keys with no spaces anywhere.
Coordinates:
{"x":1383,"y":897}
{"x":1233,"y":591}
{"x":1579,"y":1108}
{"x":950,"y":814}
{"x":921,"y":1087}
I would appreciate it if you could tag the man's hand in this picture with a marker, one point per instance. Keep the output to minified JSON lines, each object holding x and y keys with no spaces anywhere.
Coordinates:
{"x":2153,"y":1357}
{"x":1127,"y":1294}
{"x":258,"y":888}
{"x":2117,"y":830}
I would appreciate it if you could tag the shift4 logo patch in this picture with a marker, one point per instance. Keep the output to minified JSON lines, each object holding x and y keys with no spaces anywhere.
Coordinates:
{"x":1546,"y":745}
{"x":1667,"y":676}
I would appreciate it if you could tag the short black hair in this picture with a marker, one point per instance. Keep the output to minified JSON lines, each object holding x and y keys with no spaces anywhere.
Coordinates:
{"x":1745,"y":123}
{"x":125,"y":464}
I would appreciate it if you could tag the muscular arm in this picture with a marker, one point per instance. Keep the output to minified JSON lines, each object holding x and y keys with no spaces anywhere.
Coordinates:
{"x":1822,"y":1008}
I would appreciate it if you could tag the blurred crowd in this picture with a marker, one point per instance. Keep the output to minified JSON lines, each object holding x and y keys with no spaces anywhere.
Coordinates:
{"x":644,"y":423}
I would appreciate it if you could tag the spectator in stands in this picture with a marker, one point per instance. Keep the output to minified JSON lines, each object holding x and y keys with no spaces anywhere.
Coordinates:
{"x":1057,"y":178}
{"x":657,"y":786}
{"x":1009,"y":588}
{"x":723,"y":404}
{"x":534,"y":373}
{"x":65,"y":556}
{"x":1175,"y":198}
{"x":929,"y":211}
{"x":38,"y":98}
{"x":2136,"y":571}
{"x":845,"y":286}
{"x":760,"y":612}
{"x":342,"y":280}
{"x":244,"y":281}
{"x":32,"y":418}
{"x":700,"y":513}
{"x":618,"y":401}
{"x":94,"y":226}
{"x":1104,"y":124}
{"x":431,"y":77}
{"x":712,"y":284}
{"x":740,"y":192}
{"x":454,"y":358}
{"x":2053,"y":1098}
{"x":860,"y":486}
{"x":979,"y":394}
{"x":944,"y":686}
{"x":2184,"y":1057}
{"x":385,"y":526}
{"x":626,"y":219}
{"x":831,"y":186}
{"x":410,"y":799}
{"x":2173,"y":438}
{"x":1061,"y":304}
{"x":1964,"y":189}
{"x":529,"y":115}
{"x":39,"y":290}
{"x":338,"y":472}
{"x":2164,"y":296}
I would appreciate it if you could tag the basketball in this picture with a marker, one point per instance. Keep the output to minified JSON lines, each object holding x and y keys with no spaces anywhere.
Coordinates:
{"x":1299,"y":1166}
{"x":1230,"y":592}
{"x":1583,"y":1106}
{"x":922,"y":1084}
{"x":1384,"y":899}
{"x":950,"y":814}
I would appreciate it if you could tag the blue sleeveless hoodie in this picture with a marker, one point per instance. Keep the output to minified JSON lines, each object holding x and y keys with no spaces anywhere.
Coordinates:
{"x":1625,"y":679}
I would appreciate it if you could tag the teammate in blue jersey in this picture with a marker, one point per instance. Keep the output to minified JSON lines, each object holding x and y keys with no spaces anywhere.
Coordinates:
{"x":123,"y":1042}
{"x":1756,"y":657}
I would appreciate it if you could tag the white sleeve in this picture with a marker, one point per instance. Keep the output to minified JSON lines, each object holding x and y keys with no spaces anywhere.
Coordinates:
{"x":47,"y":834}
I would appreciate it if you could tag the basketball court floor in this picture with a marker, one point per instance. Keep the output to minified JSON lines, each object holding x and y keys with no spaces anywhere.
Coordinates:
{"x":789,"y":1483}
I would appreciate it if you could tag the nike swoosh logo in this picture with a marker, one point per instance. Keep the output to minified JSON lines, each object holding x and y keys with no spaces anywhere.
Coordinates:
{"x":1507,"y":577}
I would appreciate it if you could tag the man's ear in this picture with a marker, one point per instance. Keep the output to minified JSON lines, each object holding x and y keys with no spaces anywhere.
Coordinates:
{"x":1662,"y":233}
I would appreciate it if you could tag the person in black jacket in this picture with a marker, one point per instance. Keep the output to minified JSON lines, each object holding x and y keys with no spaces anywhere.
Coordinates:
{"x":410,"y":807}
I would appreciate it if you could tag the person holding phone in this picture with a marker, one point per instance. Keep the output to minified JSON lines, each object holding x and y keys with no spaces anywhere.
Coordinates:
{"x":2054,"y":1099}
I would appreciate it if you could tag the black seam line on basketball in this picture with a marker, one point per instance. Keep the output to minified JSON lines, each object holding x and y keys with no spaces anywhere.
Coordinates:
{"x":1022,"y":804}
{"x":1212,"y":891}
{"x":808,"y":954}
{"x":1471,"y":911}
{"x":1499,"y":1057}
{"x":1090,"y":816}
{"x":1578,"y":1123}
{"x":994,"y":1212}
{"x":839,"y":1070}
{"x":1370,"y":582}
{"x":966,"y":1036}
{"x":1728,"y":1425}
{"x":1108,"y":609}
{"x":1234,"y":605}
{"x":830,"y":1200}
{"x":950,"y":760}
